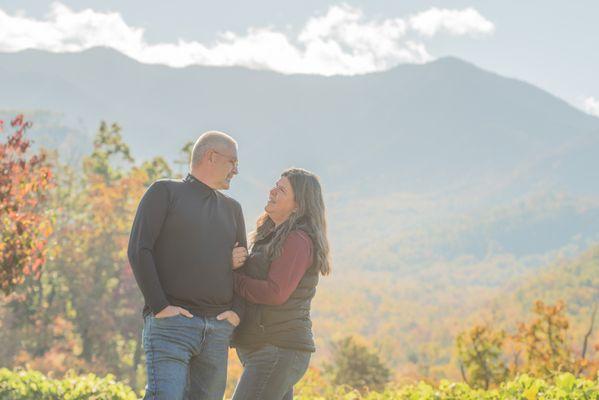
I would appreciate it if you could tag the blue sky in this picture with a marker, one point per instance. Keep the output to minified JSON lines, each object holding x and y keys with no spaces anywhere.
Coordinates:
{"x":552,"y":44}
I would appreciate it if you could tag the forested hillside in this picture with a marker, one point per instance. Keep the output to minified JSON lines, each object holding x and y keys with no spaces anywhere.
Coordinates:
{"x":414,"y":322}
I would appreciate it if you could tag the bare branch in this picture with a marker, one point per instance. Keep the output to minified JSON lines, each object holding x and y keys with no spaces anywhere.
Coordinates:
{"x":463,"y":374}
{"x":589,"y":332}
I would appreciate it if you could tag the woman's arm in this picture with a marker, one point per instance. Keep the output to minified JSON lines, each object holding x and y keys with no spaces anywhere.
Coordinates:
{"x":284,"y":274}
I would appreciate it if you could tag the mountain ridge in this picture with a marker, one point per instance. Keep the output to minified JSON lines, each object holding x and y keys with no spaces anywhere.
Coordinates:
{"x":106,"y":52}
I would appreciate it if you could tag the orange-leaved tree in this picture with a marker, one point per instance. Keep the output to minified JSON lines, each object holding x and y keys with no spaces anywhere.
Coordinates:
{"x":85,"y":312}
{"x":545,"y":341}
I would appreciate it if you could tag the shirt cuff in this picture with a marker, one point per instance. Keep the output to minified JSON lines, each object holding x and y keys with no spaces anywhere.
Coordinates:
{"x":157,"y":305}
{"x":238,"y":306}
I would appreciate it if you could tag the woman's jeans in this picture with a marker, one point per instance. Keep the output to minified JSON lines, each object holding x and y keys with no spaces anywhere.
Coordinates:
{"x":270,"y":372}
{"x":186,"y":358}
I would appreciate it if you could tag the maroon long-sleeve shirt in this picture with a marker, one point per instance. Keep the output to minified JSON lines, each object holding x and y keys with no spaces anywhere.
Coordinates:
{"x":284,"y":274}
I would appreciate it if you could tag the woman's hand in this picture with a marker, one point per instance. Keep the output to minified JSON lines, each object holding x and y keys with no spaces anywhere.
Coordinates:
{"x":240,"y":254}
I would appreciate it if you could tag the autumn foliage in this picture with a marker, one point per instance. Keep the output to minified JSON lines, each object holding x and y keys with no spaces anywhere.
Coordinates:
{"x":25,"y":225}
{"x":540,"y":347}
{"x":83,"y":313}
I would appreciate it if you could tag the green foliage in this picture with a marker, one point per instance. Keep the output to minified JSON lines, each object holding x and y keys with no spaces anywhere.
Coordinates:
{"x":357,"y":366}
{"x":32,"y":385}
{"x":565,"y":387}
{"x":185,"y":156}
{"x":107,"y":144}
{"x":156,"y":168}
{"x":480,"y":354}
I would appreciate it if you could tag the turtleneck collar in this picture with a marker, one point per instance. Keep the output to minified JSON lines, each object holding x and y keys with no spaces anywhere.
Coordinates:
{"x":196,"y":182}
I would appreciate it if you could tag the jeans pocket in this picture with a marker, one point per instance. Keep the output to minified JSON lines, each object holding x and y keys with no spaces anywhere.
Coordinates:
{"x":170,"y":317}
{"x":227,"y":327}
{"x":174,"y":320}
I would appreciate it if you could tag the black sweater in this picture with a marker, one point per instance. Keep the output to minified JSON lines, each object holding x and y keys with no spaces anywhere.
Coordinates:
{"x":180,"y":247}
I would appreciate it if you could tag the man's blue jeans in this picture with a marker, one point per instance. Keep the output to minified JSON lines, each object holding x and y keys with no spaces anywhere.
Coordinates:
{"x":186,"y":358}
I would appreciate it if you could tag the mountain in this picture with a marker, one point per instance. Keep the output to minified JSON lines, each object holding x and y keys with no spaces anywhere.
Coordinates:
{"x":445,"y":149}
{"x":440,"y":161}
{"x":413,"y":127}
{"x":53,"y":130}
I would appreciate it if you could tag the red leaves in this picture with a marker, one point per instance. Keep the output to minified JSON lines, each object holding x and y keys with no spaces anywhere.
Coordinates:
{"x":18,"y":121}
{"x":37,"y":264}
{"x":24,"y":181}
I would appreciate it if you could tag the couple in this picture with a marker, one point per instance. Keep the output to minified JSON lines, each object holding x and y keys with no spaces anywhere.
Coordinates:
{"x":204,"y":292}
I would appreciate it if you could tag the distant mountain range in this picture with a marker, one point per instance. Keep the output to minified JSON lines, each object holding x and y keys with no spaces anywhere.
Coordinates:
{"x":422,"y":163}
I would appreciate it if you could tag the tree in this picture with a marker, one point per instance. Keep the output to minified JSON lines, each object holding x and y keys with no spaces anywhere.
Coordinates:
{"x":481,"y":357}
{"x":357,"y":366}
{"x":185,"y":151}
{"x":584,"y":363}
{"x":544,"y":341}
{"x":89,"y":291}
{"x":156,"y":168}
{"x":101,"y":291}
{"x":25,"y":225}
{"x":109,"y":154}
{"x":85,"y":311}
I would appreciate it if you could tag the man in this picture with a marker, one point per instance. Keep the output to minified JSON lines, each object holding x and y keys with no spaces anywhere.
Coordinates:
{"x":180,"y":253}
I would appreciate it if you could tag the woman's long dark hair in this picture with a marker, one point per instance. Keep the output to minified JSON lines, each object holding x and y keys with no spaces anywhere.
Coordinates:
{"x":309,"y":217}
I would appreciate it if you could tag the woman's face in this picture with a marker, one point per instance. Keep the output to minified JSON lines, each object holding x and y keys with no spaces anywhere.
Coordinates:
{"x":281,"y":201}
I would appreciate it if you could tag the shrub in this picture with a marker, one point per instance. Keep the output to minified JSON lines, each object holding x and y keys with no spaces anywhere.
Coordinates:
{"x":565,"y":387}
{"x":357,"y":366}
{"x":33,"y":385}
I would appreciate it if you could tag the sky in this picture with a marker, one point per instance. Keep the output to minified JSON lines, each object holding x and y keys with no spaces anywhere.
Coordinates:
{"x":551,"y":43}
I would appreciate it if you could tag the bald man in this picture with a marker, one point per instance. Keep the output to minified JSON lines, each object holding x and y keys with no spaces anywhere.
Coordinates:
{"x":180,"y":252}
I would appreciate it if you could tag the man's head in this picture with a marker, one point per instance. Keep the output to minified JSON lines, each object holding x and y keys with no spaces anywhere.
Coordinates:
{"x":214,"y":159}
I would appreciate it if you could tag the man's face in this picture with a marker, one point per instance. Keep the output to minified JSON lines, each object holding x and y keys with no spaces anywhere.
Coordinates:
{"x":225,"y":166}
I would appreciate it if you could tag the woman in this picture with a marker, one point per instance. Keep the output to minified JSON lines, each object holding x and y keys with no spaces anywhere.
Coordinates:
{"x":278,"y":279}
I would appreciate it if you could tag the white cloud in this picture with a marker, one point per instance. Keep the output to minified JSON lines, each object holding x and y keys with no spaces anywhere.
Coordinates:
{"x":340,"y":42}
{"x":591,"y":105}
{"x":67,"y":31}
{"x":454,"y":22}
